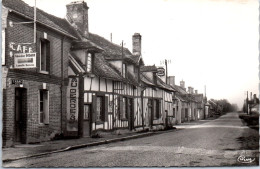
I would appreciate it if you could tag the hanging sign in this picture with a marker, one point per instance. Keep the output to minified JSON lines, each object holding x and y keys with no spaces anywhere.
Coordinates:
{"x":24,"y":60}
{"x":161,"y":71}
{"x":72,"y":104}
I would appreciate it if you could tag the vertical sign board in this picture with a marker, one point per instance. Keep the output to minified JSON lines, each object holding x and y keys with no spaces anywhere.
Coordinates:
{"x":72,"y":104}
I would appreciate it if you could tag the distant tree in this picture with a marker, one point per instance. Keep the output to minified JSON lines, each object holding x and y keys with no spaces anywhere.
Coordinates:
{"x":226,"y":106}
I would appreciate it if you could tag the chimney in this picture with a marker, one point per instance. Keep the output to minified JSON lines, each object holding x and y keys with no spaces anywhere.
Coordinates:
{"x":190,"y":90}
{"x":137,"y":44}
{"x":171,"y":80}
{"x":196,"y":91}
{"x":255,"y":98}
{"x":182,"y":84}
{"x":251,"y":96}
{"x":77,"y":15}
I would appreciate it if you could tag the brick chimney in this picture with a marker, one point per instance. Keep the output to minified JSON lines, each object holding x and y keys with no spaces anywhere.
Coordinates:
{"x":196,"y":91}
{"x":171,"y":80}
{"x":137,"y":44}
{"x":190,"y":90}
{"x":77,"y":15}
{"x":182,"y":84}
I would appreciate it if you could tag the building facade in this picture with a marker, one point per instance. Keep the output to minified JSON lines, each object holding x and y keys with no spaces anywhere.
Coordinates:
{"x":34,"y":74}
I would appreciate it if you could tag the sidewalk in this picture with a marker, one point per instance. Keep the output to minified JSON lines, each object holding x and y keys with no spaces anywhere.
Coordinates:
{"x":32,"y":150}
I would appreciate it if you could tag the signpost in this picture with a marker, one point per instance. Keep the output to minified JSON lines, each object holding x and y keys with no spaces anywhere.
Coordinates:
{"x":161,"y":71}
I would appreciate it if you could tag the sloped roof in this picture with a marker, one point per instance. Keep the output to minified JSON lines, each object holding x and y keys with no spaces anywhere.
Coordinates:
{"x":152,"y":68}
{"x":51,"y":21}
{"x":180,"y":90}
{"x":198,"y":97}
{"x":146,"y":80}
{"x":85,"y":44}
{"x":113,"y":51}
{"x":164,"y":85}
{"x":160,"y":84}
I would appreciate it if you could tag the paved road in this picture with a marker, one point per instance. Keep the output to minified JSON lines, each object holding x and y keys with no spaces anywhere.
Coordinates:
{"x":214,"y":143}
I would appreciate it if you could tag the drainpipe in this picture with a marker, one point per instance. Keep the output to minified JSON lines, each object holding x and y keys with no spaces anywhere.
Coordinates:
{"x":142,"y":104}
{"x":61,"y":86}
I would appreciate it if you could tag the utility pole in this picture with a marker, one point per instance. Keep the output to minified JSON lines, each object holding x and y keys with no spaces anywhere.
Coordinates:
{"x":34,"y":23}
{"x":246,"y":102}
{"x":166,"y":80}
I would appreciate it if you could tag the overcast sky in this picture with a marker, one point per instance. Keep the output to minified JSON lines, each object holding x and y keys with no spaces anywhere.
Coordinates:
{"x":209,"y":42}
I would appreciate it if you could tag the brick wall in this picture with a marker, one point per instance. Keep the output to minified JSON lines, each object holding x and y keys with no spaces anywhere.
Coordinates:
{"x":56,"y":82}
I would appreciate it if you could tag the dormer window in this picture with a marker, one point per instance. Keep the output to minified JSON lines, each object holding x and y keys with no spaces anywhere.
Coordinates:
{"x":89,"y":62}
{"x":124,"y":70}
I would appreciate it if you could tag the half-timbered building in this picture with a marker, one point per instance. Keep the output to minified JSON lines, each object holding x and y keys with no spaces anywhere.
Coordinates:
{"x":156,"y":99}
{"x":109,"y":74}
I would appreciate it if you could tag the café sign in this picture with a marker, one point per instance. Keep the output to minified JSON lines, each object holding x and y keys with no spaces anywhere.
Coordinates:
{"x":24,"y":60}
{"x":72,"y":104}
{"x":24,"y":57}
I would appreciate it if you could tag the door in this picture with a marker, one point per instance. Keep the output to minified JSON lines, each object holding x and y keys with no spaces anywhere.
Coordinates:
{"x":86,"y":120}
{"x":130,"y":110}
{"x":150,"y":117}
{"x":20,"y":115}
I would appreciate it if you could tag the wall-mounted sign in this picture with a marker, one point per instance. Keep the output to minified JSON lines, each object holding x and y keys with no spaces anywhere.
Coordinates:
{"x":72,"y":104}
{"x":161,"y":71}
{"x":16,"y":81}
{"x":22,"y":48}
{"x":24,"y":60}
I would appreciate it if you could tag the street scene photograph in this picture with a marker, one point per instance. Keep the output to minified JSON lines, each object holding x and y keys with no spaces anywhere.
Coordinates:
{"x":130,"y":83}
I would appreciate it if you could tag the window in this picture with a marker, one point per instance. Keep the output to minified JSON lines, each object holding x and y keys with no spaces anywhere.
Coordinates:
{"x":86,"y":111}
{"x":156,"y":109}
{"x":99,"y":109}
{"x":89,"y":62}
{"x":124,"y":113}
{"x":45,"y":56}
{"x":44,"y":107}
{"x":124,"y":70}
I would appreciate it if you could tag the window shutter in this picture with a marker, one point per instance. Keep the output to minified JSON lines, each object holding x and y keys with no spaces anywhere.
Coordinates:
{"x":94,"y":107}
{"x":120,"y":106}
{"x":46,"y":107}
{"x":106,"y":109}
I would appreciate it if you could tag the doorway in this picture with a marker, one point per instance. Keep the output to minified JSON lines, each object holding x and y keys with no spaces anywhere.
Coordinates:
{"x":86,"y":120}
{"x":20,"y":115}
{"x":150,"y":111}
{"x":130,"y":110}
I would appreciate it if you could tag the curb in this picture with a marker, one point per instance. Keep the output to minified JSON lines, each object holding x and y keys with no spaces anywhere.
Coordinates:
{"x":91,"y":144}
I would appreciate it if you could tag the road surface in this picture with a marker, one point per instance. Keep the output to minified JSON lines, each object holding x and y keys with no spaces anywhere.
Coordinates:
{"x":217,"y":142}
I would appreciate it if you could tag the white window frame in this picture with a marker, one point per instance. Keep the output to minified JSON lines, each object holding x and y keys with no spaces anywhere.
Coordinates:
{"x":3,"y":47}
{"x":47,"y":112}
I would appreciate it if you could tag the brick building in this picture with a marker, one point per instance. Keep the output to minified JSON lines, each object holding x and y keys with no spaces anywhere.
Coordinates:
{"x":35,"y":75}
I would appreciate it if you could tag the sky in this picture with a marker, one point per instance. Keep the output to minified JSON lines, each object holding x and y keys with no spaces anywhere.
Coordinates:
{"x":209,"y":42}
